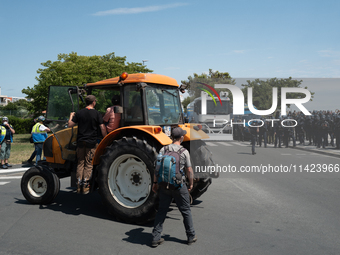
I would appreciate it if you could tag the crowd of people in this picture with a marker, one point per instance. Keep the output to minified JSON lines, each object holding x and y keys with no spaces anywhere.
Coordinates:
{"x":320,"y":129}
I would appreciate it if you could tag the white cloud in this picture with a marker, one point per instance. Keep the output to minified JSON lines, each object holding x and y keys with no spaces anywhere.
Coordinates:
{"x":137,"y":10}
{"x":329,"y":53}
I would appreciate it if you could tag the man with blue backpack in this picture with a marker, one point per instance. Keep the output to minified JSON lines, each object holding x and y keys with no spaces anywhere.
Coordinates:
{"x":173,"y":163}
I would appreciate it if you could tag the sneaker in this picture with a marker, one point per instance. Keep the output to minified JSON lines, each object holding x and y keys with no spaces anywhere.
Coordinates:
{"x":86,"y":189}
{"x":8,"y":165}
{"x":191,"y":241}
{"x":4,"y":167}
{"x":156,"y":243}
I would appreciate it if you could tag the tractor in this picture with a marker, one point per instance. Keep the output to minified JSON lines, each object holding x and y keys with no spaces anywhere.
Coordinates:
{"x":124,"y":160}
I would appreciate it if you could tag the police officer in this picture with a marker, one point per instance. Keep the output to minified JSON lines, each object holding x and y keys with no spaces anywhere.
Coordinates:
{"x":315,"y":129}
{"x":308,"y":129}
{"x":289,"y":133}
{"x":330,"y":119}
{"x":299,"y":129}
{"x":337,"y":130}
{"x":240,"y":130}
{"x":270,"y":132}
{"x":263,"y":133}
{"x":278,"y":133}
{"x":324,"y":128}
{"x":253,"y":130}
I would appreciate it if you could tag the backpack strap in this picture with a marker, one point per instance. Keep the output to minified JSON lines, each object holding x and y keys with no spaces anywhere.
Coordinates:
{"x":181,"y":150}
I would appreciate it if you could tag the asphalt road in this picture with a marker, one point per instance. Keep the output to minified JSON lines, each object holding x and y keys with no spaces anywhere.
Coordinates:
{"x":242,"y":213}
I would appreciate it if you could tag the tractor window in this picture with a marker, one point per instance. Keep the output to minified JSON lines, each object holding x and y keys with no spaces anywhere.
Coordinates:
{"x":133,"y":107}
{"x":61,"y":101}
{"x":104,"y":99}
{"x":163,"y":105}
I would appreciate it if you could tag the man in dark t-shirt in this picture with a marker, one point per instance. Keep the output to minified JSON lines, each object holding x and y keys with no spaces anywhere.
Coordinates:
{"x":89,"y":122}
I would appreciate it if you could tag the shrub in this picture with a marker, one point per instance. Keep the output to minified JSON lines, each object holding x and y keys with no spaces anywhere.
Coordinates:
{"x":21,"y":126}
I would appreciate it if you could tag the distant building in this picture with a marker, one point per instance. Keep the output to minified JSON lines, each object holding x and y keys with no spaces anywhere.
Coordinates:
{"x":5,"y":99}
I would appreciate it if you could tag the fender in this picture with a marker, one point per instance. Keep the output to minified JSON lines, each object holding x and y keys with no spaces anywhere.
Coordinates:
{"x":153,"y":131}
{"x":107,"y":140}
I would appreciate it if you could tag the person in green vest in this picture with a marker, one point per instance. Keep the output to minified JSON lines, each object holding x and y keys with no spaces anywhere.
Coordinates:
{"x":39,"y":135}
{"x":6,"y":138}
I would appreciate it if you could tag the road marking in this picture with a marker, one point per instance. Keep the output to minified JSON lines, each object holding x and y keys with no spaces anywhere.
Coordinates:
{"x":224,"y":143}
{"x":240,"y":144}
{"x":3,"y":183}
{"x":210,"y":144}
{"x":14,"y":170}
{"x":9,"y":177}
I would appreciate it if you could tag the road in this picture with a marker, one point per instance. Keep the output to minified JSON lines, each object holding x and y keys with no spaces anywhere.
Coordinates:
{"x":242,"y":213}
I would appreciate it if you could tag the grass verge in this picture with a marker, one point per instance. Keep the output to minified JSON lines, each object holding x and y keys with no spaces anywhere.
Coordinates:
{"x":21,"y":148}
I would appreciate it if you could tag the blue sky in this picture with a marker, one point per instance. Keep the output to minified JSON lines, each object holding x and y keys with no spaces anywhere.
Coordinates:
{"x":255,"y":39}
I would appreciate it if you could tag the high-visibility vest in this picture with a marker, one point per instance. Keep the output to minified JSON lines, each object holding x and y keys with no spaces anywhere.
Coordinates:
{"x":3,"y":134}
{"x":37,"y":135}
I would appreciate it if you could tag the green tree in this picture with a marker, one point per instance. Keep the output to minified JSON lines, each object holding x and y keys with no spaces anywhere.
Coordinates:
{"x":185,"y":103}
{"x":10,"y":106}
{"x":263,"y":91}
{"x":214,"y":77}
{"x":74,"y":70}
{"x":22,"y":103}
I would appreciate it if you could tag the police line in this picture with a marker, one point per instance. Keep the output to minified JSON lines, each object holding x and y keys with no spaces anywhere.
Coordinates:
{"x":250,"y":122}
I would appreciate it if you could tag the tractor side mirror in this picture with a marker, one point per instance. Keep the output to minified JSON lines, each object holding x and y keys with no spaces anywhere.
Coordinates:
{"x":182,"y":88}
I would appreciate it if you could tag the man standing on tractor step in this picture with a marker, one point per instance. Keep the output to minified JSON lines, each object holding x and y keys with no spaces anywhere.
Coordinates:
{"x":89,"y":122}
{"x":181,"y":195}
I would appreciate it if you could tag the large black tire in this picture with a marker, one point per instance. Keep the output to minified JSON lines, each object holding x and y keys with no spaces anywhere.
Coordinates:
{"x":125,"y":177}
{"x":200,"y":156}
{"x":39,"y":185}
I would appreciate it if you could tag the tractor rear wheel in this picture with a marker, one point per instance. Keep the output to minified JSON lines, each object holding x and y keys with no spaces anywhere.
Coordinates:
{"x":125,"y":177}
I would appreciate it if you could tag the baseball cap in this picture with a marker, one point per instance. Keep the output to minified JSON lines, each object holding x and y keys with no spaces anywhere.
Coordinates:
{"x":177,"y":132}
{"x":89,"y":99}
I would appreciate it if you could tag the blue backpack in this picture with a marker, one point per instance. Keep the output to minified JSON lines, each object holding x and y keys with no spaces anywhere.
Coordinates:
{"x":169,"y":174}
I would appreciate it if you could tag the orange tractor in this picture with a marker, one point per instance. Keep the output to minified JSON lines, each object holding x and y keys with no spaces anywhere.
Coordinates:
{"x":124,"y":161}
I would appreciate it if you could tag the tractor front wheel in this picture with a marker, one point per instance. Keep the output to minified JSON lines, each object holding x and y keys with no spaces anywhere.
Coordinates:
{"x":40,"y":185}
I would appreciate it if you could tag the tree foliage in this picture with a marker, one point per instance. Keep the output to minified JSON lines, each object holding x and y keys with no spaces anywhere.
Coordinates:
{"x":74,"y":70}
{"x":185,"y":103}
{"x":18,"y":108}
{"x":263,"y":91}
{"x":213,"y":77}
{"x":10,"y":106}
